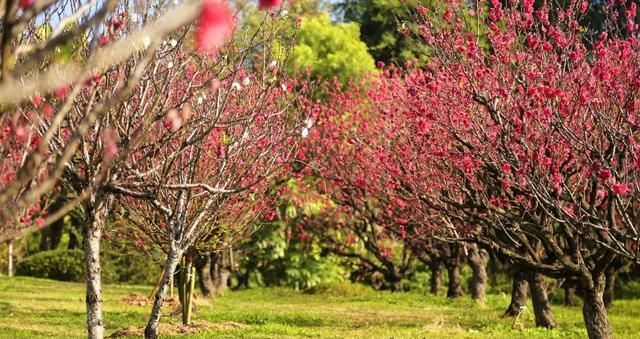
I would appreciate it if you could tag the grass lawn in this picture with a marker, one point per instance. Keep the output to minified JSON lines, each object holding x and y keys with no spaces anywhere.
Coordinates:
{"x":38,"y":308}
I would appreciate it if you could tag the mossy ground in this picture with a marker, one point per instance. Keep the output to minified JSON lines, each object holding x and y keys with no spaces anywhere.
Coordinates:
{"x":38,"y":308}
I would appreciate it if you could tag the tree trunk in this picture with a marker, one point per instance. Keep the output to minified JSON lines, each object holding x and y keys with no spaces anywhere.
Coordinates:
{"x":219,"y":272}
{"x":73,"y":241}
{"x":518,"y":295}
{"x":203,"y":269}
{"x":56,"y":234}
{"x":455,"y":288}
{"x":594,"y":310}
{"x":610,"y":282}
{"x":396,"y":285}
{"x":570,"y":286}
{"x":151,"y":331}
{"x":394,"y":278}
{"x":182,"y":278}
{"x":478,"y":260}
{"x":436,"y":276}
{"x":44,"y":240}
{"x":97,"y":211}
{"x":243,"y":278}
{"x":570,"y":295}
{"x":541,"y":307}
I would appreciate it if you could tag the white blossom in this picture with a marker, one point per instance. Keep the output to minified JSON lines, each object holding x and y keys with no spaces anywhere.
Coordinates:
{"x":173,"y":42}
{"x":284,"y":13}
{"x":284,"y":87}
{"x":308,"y":122}
{"x":246,"y":82}
{"x":273,"y":64}
{"x":305,"y":132}
{"x":200,"y":100}
{"x":133,"y":17}
{"x":146,"y":41}
{"x":236,"y":86}
{"x":170,"y":65}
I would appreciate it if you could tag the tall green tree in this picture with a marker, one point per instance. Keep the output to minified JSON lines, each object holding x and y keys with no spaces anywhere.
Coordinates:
{"x":379,"y":21}
{"x":332,"y":49}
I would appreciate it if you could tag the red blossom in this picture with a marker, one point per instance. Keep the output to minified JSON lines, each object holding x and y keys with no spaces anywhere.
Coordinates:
{"x":620,"y":189}
{"x":266,"y":4}
{"x":604,"y":175}
{"x":26,"y":4}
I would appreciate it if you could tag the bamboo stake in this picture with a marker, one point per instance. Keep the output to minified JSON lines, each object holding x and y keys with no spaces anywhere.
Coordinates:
{"x":10,"y":268}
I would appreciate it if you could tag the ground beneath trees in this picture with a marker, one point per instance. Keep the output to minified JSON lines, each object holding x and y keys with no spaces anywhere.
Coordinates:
{"x":38,"y":308}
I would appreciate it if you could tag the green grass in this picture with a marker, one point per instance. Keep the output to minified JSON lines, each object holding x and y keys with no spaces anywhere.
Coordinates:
{"x":38,"y":308}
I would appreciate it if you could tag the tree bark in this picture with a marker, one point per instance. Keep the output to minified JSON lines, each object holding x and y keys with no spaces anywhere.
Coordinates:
{"x":51,"y":236}
{"x":594,"y":310}
{"x":610,"y":282}
{"x":73,"y":241}
{"x":394,"y":278}
{"x":97,"y":211}
{"x":395,"y":285}
{"x":151,"y":330}
{"x":569,"y":295}
{"x":455,"y":287}
{"x":478,"y":260}
{"x":205,"y":281}
{"x":56,"y":234}
{"x":518,"y":295}
{"x":541,"y":306}
{"x":44,"y":240}
{"x":436,"y":276}
{"x":219,"y":272}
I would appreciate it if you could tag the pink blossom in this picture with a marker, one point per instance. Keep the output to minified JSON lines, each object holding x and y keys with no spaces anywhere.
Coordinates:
{"x":620,"y":189}
{"x":110,"y":144}
{"x":37,"y":100}
{"x":174,"y":119}
{"x":214,"y":27}
{"x":103,"y":40}
{"x":61,"y":92}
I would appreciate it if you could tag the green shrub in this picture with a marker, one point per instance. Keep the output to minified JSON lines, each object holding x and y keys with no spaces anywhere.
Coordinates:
{"x":65,"y":265}
{"x":128,"y":265}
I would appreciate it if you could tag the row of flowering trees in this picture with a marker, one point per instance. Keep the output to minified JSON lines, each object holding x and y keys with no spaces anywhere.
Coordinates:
{"x":517,"y":136}
{"x":521,"y":140}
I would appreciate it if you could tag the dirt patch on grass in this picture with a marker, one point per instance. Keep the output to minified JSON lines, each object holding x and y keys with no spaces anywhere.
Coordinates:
{"x":177,"y":329}
{"x":141,"y":300}
{"x":136,"y":300}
